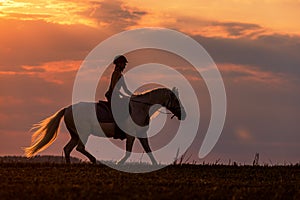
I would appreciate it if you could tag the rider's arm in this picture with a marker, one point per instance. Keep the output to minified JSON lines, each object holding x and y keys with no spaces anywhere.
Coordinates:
{"x":124,"y":86}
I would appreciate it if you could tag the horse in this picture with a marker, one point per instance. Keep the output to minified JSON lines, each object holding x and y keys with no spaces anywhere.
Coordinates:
{"x":141,"y":106}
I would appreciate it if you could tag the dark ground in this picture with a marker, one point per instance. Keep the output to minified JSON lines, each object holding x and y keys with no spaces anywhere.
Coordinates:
{"x":21,"y":180}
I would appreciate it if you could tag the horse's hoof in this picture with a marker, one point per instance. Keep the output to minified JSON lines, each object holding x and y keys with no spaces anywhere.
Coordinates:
{"x":154,"y":163}
{"x":119,"y":163}
{"x":93,"y":161}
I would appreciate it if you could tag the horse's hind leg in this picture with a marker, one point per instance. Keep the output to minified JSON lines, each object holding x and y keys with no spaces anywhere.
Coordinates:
{"x":81,"y":148}
{"x":74,"y":139}
{"x":69,"y":147}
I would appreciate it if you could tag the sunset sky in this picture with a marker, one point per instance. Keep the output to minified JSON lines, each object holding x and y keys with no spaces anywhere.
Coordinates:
{"x":255,"y":44}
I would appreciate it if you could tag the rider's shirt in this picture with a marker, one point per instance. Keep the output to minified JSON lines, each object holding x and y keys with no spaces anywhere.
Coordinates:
{"x":115,"y":77}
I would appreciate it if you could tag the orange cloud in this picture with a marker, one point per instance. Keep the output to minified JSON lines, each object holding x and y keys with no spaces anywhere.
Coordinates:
{"x":231,"y":30}
{"x":106,"y":14}
{"x":52,"y":71}
{"x":97,"y":14}
{"x":243,"y":134}
{"x":58,"y":11}
{"x":36,"y":42}
{"x":56,"y":66}
{"x":10,"y":100}
{"x":42,"y":44}
{"x":240,"y":73}
{"x":279,"y":15}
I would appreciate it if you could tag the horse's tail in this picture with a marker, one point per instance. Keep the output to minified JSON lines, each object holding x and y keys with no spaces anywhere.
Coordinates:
{"x":45,"y":134}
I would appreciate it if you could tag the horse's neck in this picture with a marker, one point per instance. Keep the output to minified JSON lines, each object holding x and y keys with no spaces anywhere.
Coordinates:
{"x":157,"y":96}
{"x":146,"y":100}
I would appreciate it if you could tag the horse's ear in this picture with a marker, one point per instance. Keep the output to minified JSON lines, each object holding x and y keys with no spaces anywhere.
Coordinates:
{"x":175,"y":91}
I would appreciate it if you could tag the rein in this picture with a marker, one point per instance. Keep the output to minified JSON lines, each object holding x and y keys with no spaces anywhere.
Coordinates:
{"x":167,"y":113}
{"x":150,"y":104}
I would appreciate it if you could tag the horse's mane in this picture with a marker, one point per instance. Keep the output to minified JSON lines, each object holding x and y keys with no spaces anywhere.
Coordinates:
{"x":147,"y":92}
{"x":143,"y":96}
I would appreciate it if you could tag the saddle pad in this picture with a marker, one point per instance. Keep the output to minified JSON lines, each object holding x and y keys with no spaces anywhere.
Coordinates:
{"x":104,"y":113}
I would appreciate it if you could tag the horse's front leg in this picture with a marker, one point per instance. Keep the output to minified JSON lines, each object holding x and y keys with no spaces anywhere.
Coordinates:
{"x":129,"y":144}
{"x":145,"y":144}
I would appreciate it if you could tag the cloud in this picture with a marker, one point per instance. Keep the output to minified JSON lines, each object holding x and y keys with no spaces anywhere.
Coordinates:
{"x":55,"y":71}
{"x":39,"y":58}
{"x":219,"y":29}
{"x":264,"y":13}
{"x":37,"y":42}
{"x":27,"y":16}
{"x":98,"y":14}
{"x":56,"y":11}
{"x":26,"y":99}
{"x":240,"y":43}
{"x":238,"y":29}
{"x":243,"y":73}
{"x":274,"y":53}
{"x":243,"y":134}
{"x":113,"y":15}
{"x":30,"y":38}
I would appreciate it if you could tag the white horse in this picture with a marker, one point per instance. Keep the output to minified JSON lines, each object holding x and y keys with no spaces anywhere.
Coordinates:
{"x":140,"y":105}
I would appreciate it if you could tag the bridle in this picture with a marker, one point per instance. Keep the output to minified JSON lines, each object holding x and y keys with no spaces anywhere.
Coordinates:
{"x":168,"y":106}
{"x":172,"y":108}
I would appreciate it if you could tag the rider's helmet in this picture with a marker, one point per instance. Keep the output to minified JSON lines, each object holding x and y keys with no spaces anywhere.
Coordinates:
{"x":120,"y":58}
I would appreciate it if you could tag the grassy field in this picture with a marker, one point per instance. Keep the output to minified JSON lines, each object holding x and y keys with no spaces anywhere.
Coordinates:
{"x":85,"y":181}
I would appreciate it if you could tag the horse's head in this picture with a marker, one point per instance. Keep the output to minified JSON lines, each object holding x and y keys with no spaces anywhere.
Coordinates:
{"x":173,"y":104}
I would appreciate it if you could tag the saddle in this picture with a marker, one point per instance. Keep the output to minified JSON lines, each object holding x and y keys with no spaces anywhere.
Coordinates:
{"x":104,"y":115}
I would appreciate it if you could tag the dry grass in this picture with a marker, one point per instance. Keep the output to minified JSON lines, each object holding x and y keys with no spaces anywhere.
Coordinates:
{"x":85,"y":181}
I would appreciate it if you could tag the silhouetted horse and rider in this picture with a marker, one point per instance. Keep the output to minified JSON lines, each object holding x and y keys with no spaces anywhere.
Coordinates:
{"x":140,"y":113}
